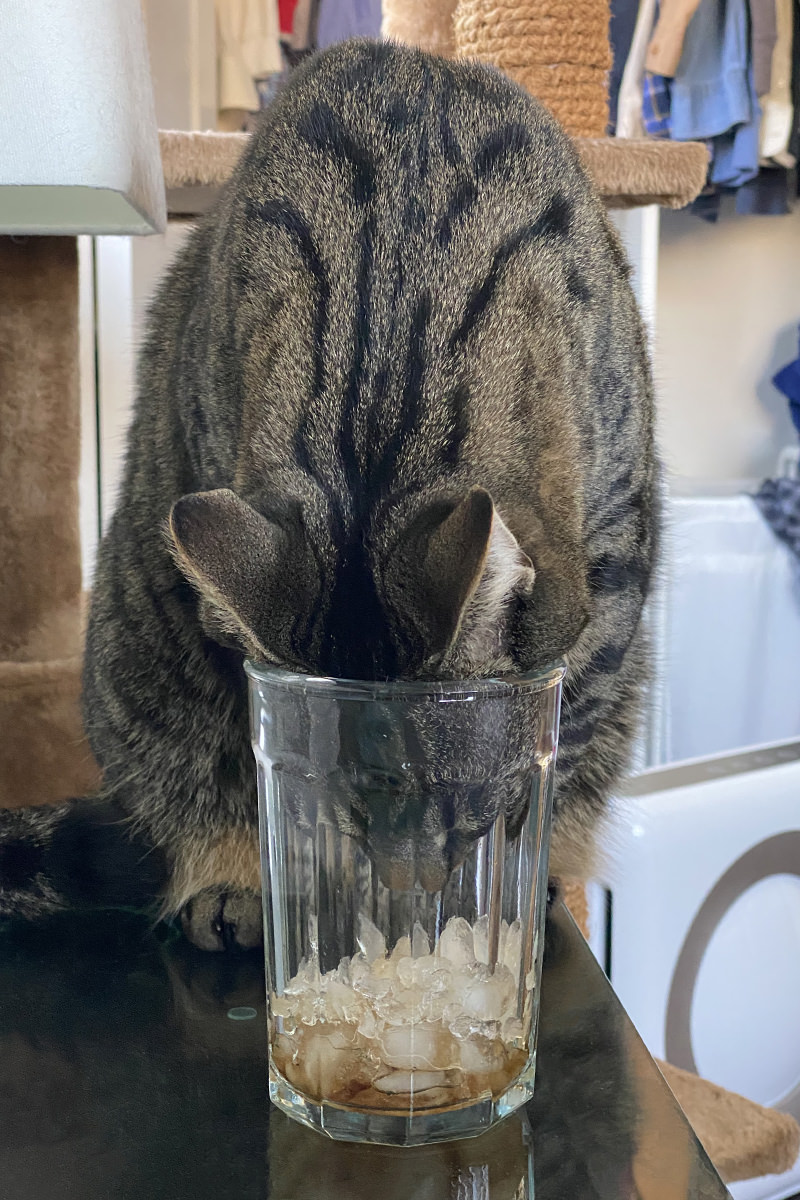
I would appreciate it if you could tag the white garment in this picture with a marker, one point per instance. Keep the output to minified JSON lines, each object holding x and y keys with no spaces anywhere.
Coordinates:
{"x":629,"y":105}
{"x":776,"y":107}
{"x":249,"y":48}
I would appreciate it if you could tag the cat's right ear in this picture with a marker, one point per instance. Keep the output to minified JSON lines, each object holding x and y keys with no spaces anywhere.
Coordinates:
{"x":256,"y":574}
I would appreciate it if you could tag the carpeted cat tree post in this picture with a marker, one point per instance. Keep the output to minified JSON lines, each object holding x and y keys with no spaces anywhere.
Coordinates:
{"x":65,"y":168}
{"x":43,"y":756}
{"x":421,"y":23}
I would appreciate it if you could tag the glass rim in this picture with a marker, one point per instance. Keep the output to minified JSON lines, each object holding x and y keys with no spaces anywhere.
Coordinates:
{"x":492,"y":685}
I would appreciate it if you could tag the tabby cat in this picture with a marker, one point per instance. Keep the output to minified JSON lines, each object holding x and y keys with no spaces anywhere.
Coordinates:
{"x":394,"y":420}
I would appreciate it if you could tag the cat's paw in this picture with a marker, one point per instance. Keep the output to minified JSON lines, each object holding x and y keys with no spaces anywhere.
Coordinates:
{"x":223,"y":919}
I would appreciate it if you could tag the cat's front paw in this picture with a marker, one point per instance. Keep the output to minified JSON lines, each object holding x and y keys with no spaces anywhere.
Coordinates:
{"x":223,"y":919}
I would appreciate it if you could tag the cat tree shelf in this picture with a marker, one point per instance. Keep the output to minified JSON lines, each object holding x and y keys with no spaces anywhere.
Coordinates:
{"x":627,"y":174}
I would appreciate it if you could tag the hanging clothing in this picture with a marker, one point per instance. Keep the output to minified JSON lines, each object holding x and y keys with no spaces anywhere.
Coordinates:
{"x":735,"y":153}
{"x":629,"y":107}
{"x":342,"y":19}
{"x":763,"y":36}
{"x":620,"y":34}
{"x":787,"y":381}
{"x":779,"y":501}
{"x":777,"y":108}
{"x":666,"y":44}
{"x":301,"y":39}
{"x":656,"y":105}
{"x":249,"y":48}
{"x":707,"y":205}
{"x":770,"y":194}
{"x":711,"y":92}
{"x":286,"y":14}
{"x":773,"y":191}
{"x":794,"y":139}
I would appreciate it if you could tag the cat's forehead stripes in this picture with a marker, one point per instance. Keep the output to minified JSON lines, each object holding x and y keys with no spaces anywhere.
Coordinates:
{"x":429,"y":232}
{"x":282,"y":215}
{"x":553,"y":222}
{"x":323,"y":129}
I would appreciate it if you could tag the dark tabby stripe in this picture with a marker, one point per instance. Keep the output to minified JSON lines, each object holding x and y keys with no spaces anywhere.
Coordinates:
{"x":414,"y":379}
{"x":495,"y":152}
{"x":610,"y":574}
{"x":459,"y":204}
{"x":498,"y":150}
{"x":451,"y":147}
{"x":353,"y":469}
{"x":282,"y":215}
{"x":325,"y":130}
{"x":552,"y":224}
{"x":458,"y":425}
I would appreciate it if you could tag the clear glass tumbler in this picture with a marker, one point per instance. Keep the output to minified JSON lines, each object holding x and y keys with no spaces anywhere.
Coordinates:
{"x":404,"y":849}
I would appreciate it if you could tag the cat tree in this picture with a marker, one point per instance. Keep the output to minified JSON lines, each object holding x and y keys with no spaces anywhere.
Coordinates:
{"x":64,"y":169}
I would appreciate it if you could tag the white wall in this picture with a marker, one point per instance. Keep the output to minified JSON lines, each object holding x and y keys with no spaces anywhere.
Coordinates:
{"x":181,"y":37}
{"x":128,"y":272}
{"x":728,"y":307}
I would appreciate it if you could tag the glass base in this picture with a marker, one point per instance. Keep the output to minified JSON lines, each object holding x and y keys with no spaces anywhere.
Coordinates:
{"x":401,"y":1129}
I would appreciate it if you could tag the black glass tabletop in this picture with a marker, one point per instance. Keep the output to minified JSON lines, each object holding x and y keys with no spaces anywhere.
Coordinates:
{"x":133,"y":1067}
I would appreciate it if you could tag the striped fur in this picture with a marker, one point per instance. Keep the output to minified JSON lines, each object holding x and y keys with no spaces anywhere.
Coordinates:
{"x":395,"y":396}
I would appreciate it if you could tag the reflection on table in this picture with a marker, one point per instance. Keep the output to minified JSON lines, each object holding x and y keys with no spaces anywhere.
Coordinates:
{"x":125,"y":1074}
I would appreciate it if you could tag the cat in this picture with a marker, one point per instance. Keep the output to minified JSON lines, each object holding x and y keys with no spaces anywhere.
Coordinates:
{"x":394,"y":420}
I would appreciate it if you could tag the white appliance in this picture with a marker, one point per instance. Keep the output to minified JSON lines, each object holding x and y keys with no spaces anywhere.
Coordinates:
{"x":703,"y":924}
{"x":728,"y":634}
{"x":699,"y":923}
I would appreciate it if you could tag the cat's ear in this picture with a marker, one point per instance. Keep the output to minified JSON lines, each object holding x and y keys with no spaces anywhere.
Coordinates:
{"x":453,"y":559}
{"x":253,"y":572}
{"x":549,"y":621}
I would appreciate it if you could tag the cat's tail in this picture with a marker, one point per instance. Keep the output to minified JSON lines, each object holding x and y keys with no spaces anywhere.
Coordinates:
{"x":80,"y":854}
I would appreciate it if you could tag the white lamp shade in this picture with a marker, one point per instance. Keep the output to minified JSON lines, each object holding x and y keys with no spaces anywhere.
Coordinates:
{"x":78,"y":136}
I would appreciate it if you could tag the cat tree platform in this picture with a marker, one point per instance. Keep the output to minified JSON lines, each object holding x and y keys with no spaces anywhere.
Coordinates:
{"x":626,"y":173}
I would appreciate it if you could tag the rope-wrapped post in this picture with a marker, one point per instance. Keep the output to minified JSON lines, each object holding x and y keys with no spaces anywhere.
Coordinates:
{"x":557,"y":49}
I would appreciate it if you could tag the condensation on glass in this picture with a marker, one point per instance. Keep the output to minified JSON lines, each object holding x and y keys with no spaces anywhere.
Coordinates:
{"x":404,"y":847}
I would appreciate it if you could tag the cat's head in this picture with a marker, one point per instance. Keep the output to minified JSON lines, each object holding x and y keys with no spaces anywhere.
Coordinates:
{"x":442,"y":594}
{"x":440,"y":589}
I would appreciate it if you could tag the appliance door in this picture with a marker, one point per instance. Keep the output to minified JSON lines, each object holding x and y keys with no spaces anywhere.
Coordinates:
{"x":703,"y":923}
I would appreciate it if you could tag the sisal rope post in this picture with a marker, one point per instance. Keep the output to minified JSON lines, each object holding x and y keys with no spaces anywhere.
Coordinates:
{"x":557,"y":49}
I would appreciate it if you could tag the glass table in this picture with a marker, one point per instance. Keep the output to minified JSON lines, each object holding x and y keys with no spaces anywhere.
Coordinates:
{"x":133,"y":1067}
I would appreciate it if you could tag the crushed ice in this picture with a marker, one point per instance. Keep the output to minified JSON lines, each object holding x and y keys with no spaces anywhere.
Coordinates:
{"x":408,"y":1021}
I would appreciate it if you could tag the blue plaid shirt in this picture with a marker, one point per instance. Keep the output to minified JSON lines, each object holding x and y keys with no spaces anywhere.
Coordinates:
{"x":656,"y":105}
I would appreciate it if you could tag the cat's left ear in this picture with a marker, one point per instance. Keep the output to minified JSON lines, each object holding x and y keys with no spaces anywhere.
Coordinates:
{"x":255,"y":573}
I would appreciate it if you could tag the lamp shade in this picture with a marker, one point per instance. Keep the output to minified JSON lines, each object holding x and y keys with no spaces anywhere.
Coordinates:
{"x":78,"y":136}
